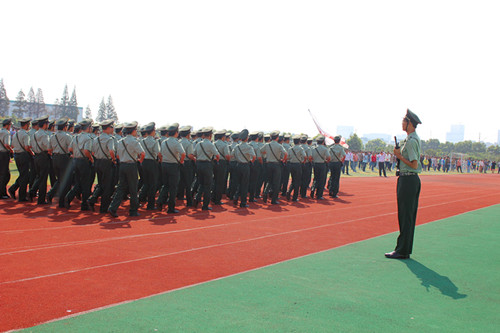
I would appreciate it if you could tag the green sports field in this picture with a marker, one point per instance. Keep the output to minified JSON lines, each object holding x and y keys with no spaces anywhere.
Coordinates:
{"x":451,"y":284}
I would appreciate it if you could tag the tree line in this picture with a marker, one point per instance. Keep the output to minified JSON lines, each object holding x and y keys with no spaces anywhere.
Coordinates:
{"x":34,"y":106}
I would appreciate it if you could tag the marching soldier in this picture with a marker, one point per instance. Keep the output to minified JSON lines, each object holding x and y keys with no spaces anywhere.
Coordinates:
{"x":103,"y":149}
{"x":204,"y":152}
{"x":296,"y":158}
{"x":320,"y":156}
{"x":33,"y":173}
{"x":173,"y":156}
{"x":306,"y":167}
{"x":150,"y":165}
{"x":255,"y":167}
{"x":5,"y":154}
{"x":187,"y":168}
{"x":41,"y":148}
{"x":60,"y":143}
{"x":22,"y":157}
{"x":244,"y":155}
{"x":275,"y":155}
{"x":285,"y":171}
{"x":130,"y":152}
{"x":81,"y":148}
{"x":220,"y":169}
{"x":233,"y":165}
{"x":337,"y":153}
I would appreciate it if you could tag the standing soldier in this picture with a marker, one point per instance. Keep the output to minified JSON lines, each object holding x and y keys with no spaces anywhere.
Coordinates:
{"x":150,"y":165}
{"x":306,"y":167}
{"x":41,"y":148}
{"x":321,"y":157}
{"x":275,"y":155}
{"x":296,"y":158}
{"x":22,"y":157}
{"x":220,"y":169}
{"x":233,"y":166}
{"x":33,"y":173}
{"x":117,"y":137}
{"x":130,"y":152}
{"x":337,"y":160}
{"x":81,"y":148}
{"x":244,"y":155}
{"x":285,"y":174}
{"x":204,"y":152}
{"x":103,"y":148}
{"x":5,"y":153}
{"x":173,"y":156}
{"x":187,"y":168}
{"x":255,"y":168}
{"x":408,"y":187}
{"x":60,"y":143}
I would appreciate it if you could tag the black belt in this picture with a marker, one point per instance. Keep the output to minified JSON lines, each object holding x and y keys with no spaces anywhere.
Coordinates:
{"x":408,"y":174}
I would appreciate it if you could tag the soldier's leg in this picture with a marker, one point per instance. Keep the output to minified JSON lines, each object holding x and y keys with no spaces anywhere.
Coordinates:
{"x":320,"y":185}
{"x":173,"y":176}
{"x":42,"y":165}
{"x":4,"y":172}
{"x":22,"y":163}
{"x":131,"y":174}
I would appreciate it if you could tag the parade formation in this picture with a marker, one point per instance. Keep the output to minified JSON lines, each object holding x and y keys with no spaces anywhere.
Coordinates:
{"x":156,"y":167}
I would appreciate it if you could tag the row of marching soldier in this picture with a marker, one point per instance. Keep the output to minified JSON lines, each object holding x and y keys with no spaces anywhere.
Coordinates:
{"x":159,"y":166}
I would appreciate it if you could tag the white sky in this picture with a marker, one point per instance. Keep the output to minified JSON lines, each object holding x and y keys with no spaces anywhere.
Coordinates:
{"x":262,"y":64}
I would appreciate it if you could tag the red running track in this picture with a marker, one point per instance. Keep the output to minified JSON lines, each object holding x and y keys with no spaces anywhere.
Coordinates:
{"x":55,"y":261}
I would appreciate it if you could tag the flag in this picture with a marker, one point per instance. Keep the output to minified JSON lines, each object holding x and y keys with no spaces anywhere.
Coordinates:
{"x":328,"y":137}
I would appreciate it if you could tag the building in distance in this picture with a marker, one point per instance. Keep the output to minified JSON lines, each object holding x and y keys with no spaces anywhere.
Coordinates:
{"x":456,"y":134}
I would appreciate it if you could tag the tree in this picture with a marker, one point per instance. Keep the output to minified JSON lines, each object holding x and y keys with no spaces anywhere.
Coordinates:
{"x":463,"y":147}
{"x":478,"y":147}
{"x":72,"y":111}
{"x":430,"y":144}
{"x":64,"y":104}
{"x":41,"y":109}
{"x":101,"y":113}
{"x":110,"y":110}
{"x":4,"y":100}
{"x":375,"y":145}
{"x":88,"y":113}
{"x":447,"y":147}
{"x":31,"y":103}
{"x":355,"y":143}
{"x":56,"y":110}
{"x":20,"y":105}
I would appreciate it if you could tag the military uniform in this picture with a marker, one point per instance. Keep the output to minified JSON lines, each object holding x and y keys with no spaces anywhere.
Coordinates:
{"x":31,"y":133}
{"x":244,"y":155}
{"x":337,"y":153}
{"x":41,"y":147}
{"x":105,"y":167}
{"x":296,"y":158}
{"x":255,"y":168}
{"x":187,"y":168}
{"x":274,"y":153}
{"x":205,"y":151}
{"x":220,"y":169}
{"x":5,"y":153}
{"x":321,"y":157}
{"x":60,"y":143}
{"x":172,"y":156}
{"x":306,"y":168}
{"x":233,"y":165}
{"x":22,"y":157}
{"x":285,"y":170}
{"x":130,"y":152}
{"x":150,"y":166}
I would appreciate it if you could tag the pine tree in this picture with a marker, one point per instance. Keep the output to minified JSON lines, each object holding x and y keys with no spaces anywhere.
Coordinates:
{"x":4,"y":100}
{"x":64,"y":104}
{"x":110,"y":110}
{"x":56,"y":111}
{"x":88,"y":113}
{"x":31,"y":103}
{"x":73,"y":106}
{"x":41,"y":109}
{"x":101,"y":113}
{"x":20,"y":105}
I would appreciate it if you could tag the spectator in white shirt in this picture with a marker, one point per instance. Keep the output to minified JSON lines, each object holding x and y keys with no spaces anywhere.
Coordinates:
{"x":381,"y":164}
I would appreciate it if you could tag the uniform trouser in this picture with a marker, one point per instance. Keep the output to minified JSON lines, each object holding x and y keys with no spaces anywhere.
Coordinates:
{"x":285,"y":176}
{"x":306,"y":178}
{"x":149,"y":181}
{"x":42,"y":161}
{"x":4,"y":172}
{"x":23,"y":166}
{"x":220,"y":180}
{"x":105,"y":170}
{"x":52,"y":175}
{"x":127,"y":182}
{"x":255,"y":170}
{"x":171,"y":175}
{"x":83,"y":175}
{"x":242,"y":178}
{"x":335,"y":168}
{"x":320,"y":170}
{"x":32,"y":175}
{"x":274,"y":179}
{"x":408,"y":192}
{"x":262,"y":178}
{"x":62,"y":171}
{"x":381,"y":168}
{"x":346,"y":167}
{"x":205,"y":175}
{"x":186,"y":179}
{"x":233,"y":170}
{"x":296,"y":172}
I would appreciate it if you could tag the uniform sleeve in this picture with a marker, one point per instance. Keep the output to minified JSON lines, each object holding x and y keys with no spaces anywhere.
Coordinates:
{"x":327,"y":153}
{"x":179,"y":149}
{"x":137,"y":148}
{"x":214,"y":150}
{"x":411,"y":148}
{"x":88,"y":144}
{"x":111,"y":144}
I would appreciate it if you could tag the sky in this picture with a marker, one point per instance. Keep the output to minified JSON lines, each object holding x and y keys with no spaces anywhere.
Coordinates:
{"x":262,"y":64}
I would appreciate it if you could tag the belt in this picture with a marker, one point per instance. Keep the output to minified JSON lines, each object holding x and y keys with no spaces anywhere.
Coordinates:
{"x":408,"y":174}
{"x":203,"y":161}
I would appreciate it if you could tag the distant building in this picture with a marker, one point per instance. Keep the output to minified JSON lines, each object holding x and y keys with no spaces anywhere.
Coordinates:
{"x":51,"y":110}
{"x":345,"y":131}
{"x":456,"y":134}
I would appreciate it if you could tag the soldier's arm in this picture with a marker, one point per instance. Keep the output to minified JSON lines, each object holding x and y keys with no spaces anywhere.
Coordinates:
{"x":141,"y":157}
{"x":183,"y":156}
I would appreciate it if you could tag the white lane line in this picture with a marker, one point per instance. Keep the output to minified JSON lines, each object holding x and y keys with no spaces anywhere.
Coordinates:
{"x":220,"y":245}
